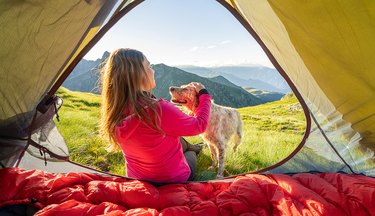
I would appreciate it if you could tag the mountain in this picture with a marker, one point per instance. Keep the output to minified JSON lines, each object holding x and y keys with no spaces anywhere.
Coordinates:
{"x":220,"y":79}
{"x":257,"y":84}
{"x":201,"y":71}
{"x":265,"y":96}
{"x":84,"y":82}
{"x":265,"y":74}
{"x":86,"y":65}
{"x":258,"y":77}
{"x":223,"y":92}
{"x":85,"y":75}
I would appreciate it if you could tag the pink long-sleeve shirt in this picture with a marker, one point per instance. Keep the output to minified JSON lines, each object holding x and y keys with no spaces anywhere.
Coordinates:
{"x":156,"y":157}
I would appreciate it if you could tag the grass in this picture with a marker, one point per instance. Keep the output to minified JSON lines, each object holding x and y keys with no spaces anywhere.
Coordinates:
{"x":271,"y":132}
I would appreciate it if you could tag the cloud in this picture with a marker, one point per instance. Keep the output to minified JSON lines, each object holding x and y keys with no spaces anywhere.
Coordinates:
{"x":225,"y":42}
{"x":193,"y":49}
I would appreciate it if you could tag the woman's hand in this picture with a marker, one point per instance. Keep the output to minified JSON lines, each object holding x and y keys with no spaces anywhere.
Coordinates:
{"x":198,"y":86}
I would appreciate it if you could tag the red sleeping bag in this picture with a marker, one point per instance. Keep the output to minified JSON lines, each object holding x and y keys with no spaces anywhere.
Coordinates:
{"x":272,"y":194}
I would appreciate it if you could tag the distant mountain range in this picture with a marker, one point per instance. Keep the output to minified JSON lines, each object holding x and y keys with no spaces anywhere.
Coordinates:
{"x":87,"y":65}
{"x":223,"y":94}
{"x":85,"y":78}
{"x":258,"y":77}
{"x":265,"y":95}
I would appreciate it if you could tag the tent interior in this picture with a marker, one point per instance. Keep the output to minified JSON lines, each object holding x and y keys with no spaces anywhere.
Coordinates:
{"x":324,"y":49}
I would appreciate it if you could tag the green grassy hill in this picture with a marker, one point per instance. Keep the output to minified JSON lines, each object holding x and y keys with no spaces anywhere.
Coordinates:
{"x":271,"y":132}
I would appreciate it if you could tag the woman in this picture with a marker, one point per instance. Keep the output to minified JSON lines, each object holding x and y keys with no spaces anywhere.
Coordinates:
{"x":148,"y":130}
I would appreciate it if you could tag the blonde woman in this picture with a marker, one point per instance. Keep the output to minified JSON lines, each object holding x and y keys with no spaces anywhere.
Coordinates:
{"x":146,"y":129}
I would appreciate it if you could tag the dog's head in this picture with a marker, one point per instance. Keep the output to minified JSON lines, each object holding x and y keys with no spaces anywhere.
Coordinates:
{"x":185,"y":95}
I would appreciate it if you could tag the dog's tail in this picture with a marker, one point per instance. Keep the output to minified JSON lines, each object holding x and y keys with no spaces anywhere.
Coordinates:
{"x":238,"y":134}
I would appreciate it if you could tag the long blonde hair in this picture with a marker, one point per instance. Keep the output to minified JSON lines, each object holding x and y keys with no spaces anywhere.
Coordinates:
{"x":122,"y":78}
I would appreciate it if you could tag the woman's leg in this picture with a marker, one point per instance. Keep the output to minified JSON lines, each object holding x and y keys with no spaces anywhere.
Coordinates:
{"x":190,"y":154}
{"x":186,"y":146}
{"x":191,"y":158}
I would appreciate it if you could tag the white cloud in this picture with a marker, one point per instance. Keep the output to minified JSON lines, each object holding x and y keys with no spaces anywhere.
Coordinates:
{"x":193,"y":49}
{"x":226,"y":42}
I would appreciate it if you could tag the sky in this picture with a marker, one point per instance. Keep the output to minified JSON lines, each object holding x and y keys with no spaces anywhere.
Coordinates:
{"x":183,"y":32}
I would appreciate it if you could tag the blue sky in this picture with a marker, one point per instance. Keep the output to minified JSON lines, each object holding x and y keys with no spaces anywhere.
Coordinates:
{"x":183,"y":32}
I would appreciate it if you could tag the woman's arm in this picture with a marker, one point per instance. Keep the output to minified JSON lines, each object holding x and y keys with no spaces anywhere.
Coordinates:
{"x":176,"y":123}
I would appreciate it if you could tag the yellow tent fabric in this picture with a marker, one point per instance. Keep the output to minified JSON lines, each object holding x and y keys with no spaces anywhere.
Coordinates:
{"x":327,"y":49}
{"x":339,"y":53}
{"x":40,"y":38}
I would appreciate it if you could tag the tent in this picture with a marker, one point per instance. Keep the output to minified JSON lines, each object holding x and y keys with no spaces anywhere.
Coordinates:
{"x":324,"y":49}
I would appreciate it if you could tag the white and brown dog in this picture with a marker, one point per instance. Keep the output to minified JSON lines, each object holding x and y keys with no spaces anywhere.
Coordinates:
{"x":224,"y":123}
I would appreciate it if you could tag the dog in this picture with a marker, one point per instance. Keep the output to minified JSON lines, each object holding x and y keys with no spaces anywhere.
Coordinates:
{"x":223,"y":124}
